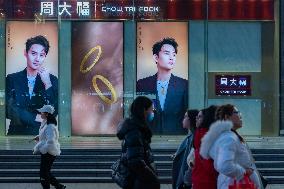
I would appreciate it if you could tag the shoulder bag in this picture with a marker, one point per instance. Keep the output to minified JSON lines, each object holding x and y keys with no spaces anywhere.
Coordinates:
{"x":120,"y":173}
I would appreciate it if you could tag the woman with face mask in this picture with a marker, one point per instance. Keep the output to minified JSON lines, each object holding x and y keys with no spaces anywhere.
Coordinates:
{"x":222,"y":143}
{"x":136,"y":151}
{"x":48,"y":147}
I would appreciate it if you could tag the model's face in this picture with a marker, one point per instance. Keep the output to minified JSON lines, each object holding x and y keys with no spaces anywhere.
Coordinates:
{"x":167,"y":57}
{"x":35,"y":56}
{"x":199,"y":119}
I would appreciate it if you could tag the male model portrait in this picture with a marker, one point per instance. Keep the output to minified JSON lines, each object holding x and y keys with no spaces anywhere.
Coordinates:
{"x":171,"y":91}
{"x":30,"y":89}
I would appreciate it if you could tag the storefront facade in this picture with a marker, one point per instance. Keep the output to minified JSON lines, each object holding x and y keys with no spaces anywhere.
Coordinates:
{"x":100,"y":51}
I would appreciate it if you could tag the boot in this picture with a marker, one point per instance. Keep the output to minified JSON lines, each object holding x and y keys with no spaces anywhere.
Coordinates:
{"x":60,"y":186}
{"x":44,"y":183}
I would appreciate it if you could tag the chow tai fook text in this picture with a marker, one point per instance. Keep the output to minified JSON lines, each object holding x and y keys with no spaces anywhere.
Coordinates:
{"x":238,"y":85}
{"x":83,"y":8}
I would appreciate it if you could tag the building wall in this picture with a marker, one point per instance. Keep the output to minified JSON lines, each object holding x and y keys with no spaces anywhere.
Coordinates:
{"x":261,"y":109}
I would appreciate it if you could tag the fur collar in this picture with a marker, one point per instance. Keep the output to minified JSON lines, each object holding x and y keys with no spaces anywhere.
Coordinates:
{"x":215,"y":130}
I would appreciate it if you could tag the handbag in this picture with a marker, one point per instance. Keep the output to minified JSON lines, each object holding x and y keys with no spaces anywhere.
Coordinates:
{"x":246,"y":183}
{"x":120,"y":173}
{"x":264,"y":181}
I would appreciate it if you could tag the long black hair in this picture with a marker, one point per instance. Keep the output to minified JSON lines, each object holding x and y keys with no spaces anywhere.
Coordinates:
{"x":50,"y":119}
{"x":138,"y":106}
{"x":208,"y":116}
{"x":192,"y":118}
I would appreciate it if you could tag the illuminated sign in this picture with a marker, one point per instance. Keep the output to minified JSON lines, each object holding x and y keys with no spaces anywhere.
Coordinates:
{"x":239,"y":85}
{"x":137,"y":10}
{"x":129,"y":9}
{"x":83,"y":9}
{"x":110,"y":10}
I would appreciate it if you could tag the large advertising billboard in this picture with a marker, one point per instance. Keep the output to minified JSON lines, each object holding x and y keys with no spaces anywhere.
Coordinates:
{"x":97,"y":77}
{"x":31,"y":74}
{"x":162,"y":72}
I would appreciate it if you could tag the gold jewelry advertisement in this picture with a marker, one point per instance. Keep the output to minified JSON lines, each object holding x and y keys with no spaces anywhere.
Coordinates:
{"x":97,"y":77}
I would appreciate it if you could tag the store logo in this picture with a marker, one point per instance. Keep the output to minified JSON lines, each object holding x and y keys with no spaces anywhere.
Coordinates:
{"x":224,"y":81}
{"x":82,"y":8}
{"x":243,"y":82}
{"x":233,"y":85}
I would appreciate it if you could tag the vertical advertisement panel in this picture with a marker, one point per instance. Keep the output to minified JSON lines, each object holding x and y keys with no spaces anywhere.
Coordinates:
{"x":97,"y":77}
{"x":162,"y":72}
{"x":282,"y":67}
{"x":31,"y":74}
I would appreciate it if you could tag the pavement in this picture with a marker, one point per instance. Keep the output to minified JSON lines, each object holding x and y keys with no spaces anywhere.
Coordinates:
{"x":69,"y":186}
{"x":93,"y":186}
{"x":161,"y":142}
{"x":13,"y":143}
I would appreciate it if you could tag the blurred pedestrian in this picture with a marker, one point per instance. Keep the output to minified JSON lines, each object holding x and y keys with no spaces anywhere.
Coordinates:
{"x":48,"y":147}
{"x":181,"y":174}
{"x":227,"y":148}
{"x":204,"y":176}
{"x":136,"y":139}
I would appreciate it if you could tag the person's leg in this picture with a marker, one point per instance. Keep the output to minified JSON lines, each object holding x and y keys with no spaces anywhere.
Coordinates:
{"x":45,"y":166}
{"x":53,"y":181}
{"x":146,"y":179}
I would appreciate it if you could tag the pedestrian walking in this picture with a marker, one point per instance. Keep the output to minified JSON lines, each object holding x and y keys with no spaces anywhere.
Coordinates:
{"x":48,"y":147}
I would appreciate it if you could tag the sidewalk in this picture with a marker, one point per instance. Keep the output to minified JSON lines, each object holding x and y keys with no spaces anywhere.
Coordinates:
{"x":158,"y":142}
{"x":69,"y":186}
{"x":92,"y":186}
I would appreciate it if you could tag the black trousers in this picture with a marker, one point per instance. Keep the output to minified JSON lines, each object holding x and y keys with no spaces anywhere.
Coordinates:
{"x":46,"y":178}
{"x":144,"y":178}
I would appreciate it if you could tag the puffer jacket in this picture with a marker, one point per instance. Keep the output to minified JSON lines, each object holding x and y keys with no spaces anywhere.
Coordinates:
{"x":137,"y":153}
{"x":204,"y":176}
{"x":231,"y":156}
{"x":48,"y":140}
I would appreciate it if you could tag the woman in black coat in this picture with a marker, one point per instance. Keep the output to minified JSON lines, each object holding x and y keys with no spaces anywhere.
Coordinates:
{"x":136,"y":151}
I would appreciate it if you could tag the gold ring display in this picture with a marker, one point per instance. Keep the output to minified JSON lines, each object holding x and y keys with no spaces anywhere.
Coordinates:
{"x":83,"y":62}
{"x":110,"y":87}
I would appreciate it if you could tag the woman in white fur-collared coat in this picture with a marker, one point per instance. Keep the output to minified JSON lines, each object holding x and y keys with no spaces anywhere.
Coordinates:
{"x":222,"y":143}
{"x":48,"y":146}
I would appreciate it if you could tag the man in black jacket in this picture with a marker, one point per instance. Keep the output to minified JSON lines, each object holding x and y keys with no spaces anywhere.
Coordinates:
{"x":171,"y":91}
{"x":30,"y":89}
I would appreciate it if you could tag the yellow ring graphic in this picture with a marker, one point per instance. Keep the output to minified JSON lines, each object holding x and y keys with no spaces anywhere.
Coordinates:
{"x":110,"y":87}
{"x":83,"y":62}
